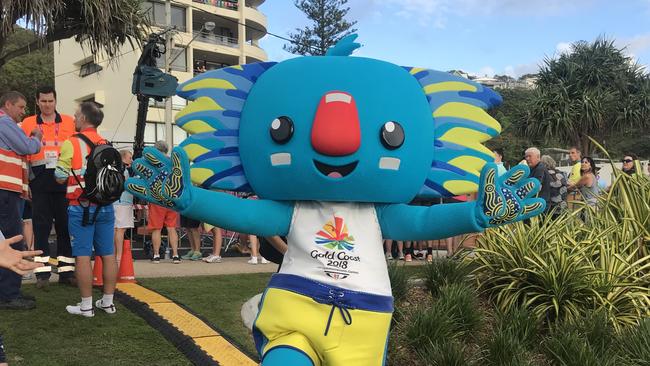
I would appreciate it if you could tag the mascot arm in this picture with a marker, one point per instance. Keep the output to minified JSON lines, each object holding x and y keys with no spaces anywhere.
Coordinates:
{"x":258,"y":217}
{"x":404,"y":222}
{"x":501,"y":200}
{"x":167,"y":183}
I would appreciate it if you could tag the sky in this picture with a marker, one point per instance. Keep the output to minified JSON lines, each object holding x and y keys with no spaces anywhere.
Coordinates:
{"x":482,"y":37}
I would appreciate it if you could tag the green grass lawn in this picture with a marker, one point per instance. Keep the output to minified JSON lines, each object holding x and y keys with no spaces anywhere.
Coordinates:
{"x":48,"y":335}
{"x":218,"y":299}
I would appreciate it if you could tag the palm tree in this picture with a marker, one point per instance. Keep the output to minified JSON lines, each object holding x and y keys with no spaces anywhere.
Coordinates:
{"x":594,"y":90}
{"x":98,"y":25}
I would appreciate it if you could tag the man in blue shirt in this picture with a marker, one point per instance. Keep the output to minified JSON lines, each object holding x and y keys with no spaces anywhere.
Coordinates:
{"x":14,"y":146}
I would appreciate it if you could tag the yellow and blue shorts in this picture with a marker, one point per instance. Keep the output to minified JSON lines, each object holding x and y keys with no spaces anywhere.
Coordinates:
{"x":330,"y":325}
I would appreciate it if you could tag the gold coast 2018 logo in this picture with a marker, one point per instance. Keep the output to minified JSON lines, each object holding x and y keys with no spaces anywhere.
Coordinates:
{"x":335,"y":236}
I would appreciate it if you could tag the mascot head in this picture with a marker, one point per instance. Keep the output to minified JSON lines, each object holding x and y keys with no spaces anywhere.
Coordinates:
{"x":337,"y":128}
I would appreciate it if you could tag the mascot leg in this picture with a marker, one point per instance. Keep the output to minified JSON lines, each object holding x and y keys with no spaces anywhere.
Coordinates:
{"x":291,"y":349}
{"x":283,"y":356}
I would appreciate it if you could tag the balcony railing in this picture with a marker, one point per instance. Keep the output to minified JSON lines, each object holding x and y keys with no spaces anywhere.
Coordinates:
{"x":231,"y":5}
{"x":215,"y":39}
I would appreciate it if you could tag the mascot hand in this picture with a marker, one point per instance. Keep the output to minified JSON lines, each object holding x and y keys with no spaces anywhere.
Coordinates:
{"x":161,"y":181}
{"x":507,"y":198}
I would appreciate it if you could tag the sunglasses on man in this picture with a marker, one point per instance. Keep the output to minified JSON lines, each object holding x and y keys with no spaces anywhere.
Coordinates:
{"x":627,"y":161}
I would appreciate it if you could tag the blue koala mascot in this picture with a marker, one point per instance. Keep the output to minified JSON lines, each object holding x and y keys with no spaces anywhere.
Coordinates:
{"x":334,"y":147}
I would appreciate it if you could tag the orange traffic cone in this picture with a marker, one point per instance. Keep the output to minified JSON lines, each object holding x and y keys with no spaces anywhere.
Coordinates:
{"x":98,"y":277}
{"x":126,"y":273}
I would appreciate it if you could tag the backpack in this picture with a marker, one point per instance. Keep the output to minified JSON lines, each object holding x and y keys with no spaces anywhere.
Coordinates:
{"x":104,"y":175}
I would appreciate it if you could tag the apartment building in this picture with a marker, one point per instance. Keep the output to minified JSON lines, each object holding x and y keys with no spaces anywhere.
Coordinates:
{"x":79,"y":76}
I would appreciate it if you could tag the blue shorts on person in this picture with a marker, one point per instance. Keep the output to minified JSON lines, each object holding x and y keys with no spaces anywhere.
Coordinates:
{"x":98,"y":233}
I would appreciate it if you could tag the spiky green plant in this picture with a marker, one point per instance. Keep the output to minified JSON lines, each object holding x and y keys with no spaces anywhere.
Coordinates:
{"x":444,"y":271}
{"x":520,"y":323}
{"x":634,"y":344}
{"x":398,"y":281}
{"x":444,"y":352}
{"x":538,"y":266}
{"x":461,"y":303}
{"x":505,"y":349}
{"x":430,"y":325}
{"x":567,"y":347}
{"x":562,"y":269}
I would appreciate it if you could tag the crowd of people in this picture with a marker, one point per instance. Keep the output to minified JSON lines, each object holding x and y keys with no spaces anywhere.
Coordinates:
{"x":582,"y":183}
{"x":43,"y":164}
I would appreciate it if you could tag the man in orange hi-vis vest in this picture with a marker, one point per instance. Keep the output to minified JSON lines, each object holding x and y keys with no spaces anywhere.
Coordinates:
{"x":86,"y":235}
{"x":14,"y":146}
{"x":48,"y":197}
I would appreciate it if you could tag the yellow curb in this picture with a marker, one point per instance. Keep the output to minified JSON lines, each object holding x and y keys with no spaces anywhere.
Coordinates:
{"x":208,"y":339}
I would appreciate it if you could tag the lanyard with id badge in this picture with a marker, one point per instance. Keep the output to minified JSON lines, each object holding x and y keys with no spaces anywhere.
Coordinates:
{"x":51,"y":155}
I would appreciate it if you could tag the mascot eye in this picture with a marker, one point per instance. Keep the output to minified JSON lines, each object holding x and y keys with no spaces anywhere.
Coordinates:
{"x":281,"y":130}
{"x":392,"y":135}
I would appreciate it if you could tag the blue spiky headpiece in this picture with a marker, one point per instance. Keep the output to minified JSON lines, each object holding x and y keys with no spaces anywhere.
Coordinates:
{"x":457,"y":107}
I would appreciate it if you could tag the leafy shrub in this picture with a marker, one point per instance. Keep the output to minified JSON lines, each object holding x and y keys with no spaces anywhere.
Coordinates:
{"x":532,"y":266}
{"x":565,"y":268}
{"x":398,"y":281}
{"x":567,"y":347}
{"x":634,"y":344}
{"x":519,"y":324}
{"x":443,"y":271}
{"x":429,"y":326}
{"x":460,"y":302}
{"x":444,"y":352}
{"x":598,"y":332}
{"x":505,"y":349}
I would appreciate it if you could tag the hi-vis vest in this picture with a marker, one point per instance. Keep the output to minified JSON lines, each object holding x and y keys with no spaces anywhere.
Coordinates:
{"x":54,"y":134}
{"x":13,"y":171}
{"x":78,"y":166}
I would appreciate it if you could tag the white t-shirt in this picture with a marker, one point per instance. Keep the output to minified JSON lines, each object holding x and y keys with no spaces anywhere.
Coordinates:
{"x":337,"y":243}
{"x":2,"y":237}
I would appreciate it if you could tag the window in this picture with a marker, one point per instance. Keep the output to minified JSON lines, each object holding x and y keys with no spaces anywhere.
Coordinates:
{"x":155,"y":11}
{"x":178,"y":135}
{"x":178,"y":103}
{"x":89,"y":68}
{"x":178,"y":17}
{"x":92,"y":99}
{"x":150,"y":133}
{"x":179,"y":63}
{"x":154,"y":131}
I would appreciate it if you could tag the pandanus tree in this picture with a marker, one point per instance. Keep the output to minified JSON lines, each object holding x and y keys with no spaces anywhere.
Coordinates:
{"x":594,"y":90}
{"x":100,"y":26}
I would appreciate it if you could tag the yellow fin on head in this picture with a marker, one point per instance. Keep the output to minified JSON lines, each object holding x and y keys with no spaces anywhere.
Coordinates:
{"x":457,"y":187}
{"x":467,"y":137}
{"x":449,"y":86}
{"x":415,"y":70}
{"x":199,"y":105}
{"x":194,"y":150}
{"x":467,"y":111}
{"x":197,"y":126}
{"x":208,"y":83}
{"x":200,"y":175}
{"x":469,"y":163}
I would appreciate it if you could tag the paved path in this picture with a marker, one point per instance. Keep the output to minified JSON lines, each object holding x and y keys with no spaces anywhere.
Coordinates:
{"x":144,"y":268}
{"x":230,"y":265}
